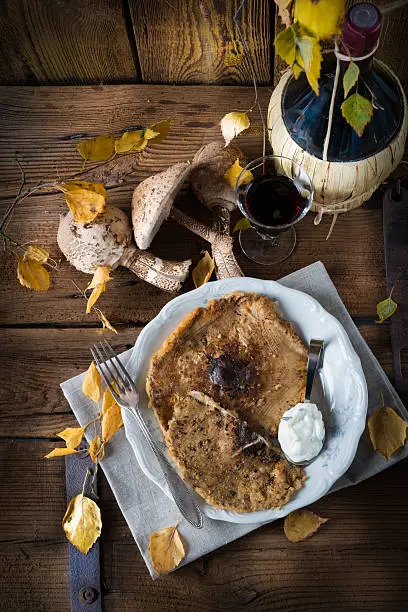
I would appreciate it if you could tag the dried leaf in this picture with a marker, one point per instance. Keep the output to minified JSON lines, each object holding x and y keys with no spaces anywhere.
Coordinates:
{"x":233,"y":124}
{"x":111,"y":422}
{"x":284,"y":11}
{"x":203,"y":270}
{"x":108,"y":401}
{"x":387,"y":431}
{"x":60,"y":452}
{"x":32,"y":274}
{"x":166,"y":549}
{"x":98,"y":284}
{"x":91,"y":386}
{"x":321,"y":17}
{"x":234,"y":172}
{"x":285,"y":45}
{"x":150,"y":134}
{"x":130,"y":141}
{"x":162,"y":129}
{"x":301,"y":524}
{"x":350,"y":78}
{"x":72,"y":436}
{"x":297,"y":70}
{"x":99,"y":148}
{"x":85,"y":200}
{"x":385,"y":309}
{"x":242,"y":224}
{"x":82,"y":522}
{"x":310,"y":57}
{"x":357,"y":111}
{"x":96,"y":449}
{"x":36,"y":253}
{"x":106,"y":324}
{"x":94,"y":297}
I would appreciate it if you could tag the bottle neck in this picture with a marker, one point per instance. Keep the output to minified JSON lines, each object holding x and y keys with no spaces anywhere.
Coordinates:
{"x":365,"y":62}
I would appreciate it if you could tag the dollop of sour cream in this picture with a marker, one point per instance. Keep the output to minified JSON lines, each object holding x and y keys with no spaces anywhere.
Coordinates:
{"x":301,"y":432}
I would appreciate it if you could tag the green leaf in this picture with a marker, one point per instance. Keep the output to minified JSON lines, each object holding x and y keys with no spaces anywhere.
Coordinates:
{"x":357,"y":111}
{"x":285,"y":45}
{"x":242,"y":224}
{"x":350,"y":78}
{"x":385,"y":309}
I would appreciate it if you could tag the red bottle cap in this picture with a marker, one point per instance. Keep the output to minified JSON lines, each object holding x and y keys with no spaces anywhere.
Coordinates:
{"x":361,"y":30}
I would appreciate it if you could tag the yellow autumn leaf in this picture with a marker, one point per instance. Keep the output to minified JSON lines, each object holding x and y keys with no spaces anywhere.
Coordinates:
{"x":99,"y":148}
{"x":72,"y":436}
{"x":36,"y":253}
{"x":111,"y":422}
{"x":106,"y":323}
{"x":233,"y":124}
{"x":129,"y":141}
{"x":234,"y":172}
{"x":285,"y":45}
{"x":203,"y":270}
{"x":387,"y":431}
{"x":96,"y":449}
{"x":82,"y":522}
{"x":150,"y":134}
{"x":242,"y":224}
{"x":321,"y":17}
{"x":166,"y":549}
{"x":161,"y":129}
{"x":32,"y":274}
{"x":309,"y":57}
{"x":98,"y":284}
{"x":301,"y":524}
{"x":386,"y":309}
{"x":60,"y":452}
{"x":108,"y":401}
{"x":85,"y":200}
{"x":91,"y":386}
{"x":297,"y":70}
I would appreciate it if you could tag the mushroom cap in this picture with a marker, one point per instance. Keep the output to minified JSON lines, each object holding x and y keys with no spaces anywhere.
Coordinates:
{"x":99,"y":243}
{"x":207,"y":179}
{"x":152,"y":201}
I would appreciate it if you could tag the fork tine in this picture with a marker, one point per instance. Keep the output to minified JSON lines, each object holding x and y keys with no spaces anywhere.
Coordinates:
{"x":104,"y":362}
{"x":118,"y":375}
{"x":122,"y":367}
{"x":105,"y":378}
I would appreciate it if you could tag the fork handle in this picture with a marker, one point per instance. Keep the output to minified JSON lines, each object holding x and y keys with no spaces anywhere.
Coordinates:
{"x":182,"y":495}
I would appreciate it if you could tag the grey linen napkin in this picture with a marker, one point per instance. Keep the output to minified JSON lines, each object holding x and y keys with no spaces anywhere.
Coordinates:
{"x":147,"y":509}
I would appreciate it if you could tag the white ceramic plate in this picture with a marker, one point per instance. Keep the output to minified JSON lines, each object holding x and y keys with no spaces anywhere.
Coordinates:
{"x":341,"y":394}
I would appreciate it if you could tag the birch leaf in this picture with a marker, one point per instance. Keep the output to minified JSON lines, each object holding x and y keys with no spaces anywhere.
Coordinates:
{"x":150,"y":134}
{"x":96,"y":449}
{"x":311,"y":58}
{"x":60,"y":452}
{"x":285,"y":45}
{"x":166,"y":549}
{"x":72,"y":436}
{"x":385,"y":309}
{"x":357,"y":111}
{"x":233,"y":124}
{"x":203,"y":270}
{"x":36,"y":253}
{"x":297,"y":70}
{"x":129,"y":141}
{"x":98,"y":284}
{"x":91,"y":386}
{"x":242,"y":224}
{"x":85,"y":200}
{"x":321,"y":17}
{"x":106,"y":324}
{"x":32,"y":274}
{"x":82,"y":522}
{"x":387,"y":431}
{"x":350,"y":77}
{"x":162,"y":129}
{"x":99,"y":148}
{"x":301,"y":524}
{"x":108,"y":401}
{"x":111,"y":422}
{"x":234,"y":172}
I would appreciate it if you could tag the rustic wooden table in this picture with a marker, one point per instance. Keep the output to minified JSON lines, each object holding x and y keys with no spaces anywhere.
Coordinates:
{"x":358,"y":561}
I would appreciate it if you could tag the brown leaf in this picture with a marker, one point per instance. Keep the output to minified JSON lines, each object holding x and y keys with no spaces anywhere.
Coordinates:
{"x":85,"y":200}
{"x":99,"y":148}
{"x":203,"y":270}
{"x":166,"y":549}
{"x":283,"y":8}
{"x":111,"y":422}
{"x":60,"y":452}
{"x":72,"y":436}
{"x":301,"y":524}
{"x":96,"y":449}
{"x":91,"y":386}
{"x":387,"y":431}
{"x":82,"y":522}
{"x":32,"y":274}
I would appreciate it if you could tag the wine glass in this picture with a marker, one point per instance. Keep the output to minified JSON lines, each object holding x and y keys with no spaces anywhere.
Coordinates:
{"x":273,"y":193}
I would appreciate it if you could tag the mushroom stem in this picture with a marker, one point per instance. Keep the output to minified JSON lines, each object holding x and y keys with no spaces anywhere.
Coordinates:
{"x":162,"y":273}
{"x":221,"y":242}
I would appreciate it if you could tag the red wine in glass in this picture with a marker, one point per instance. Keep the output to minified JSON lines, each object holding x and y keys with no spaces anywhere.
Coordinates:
{"x":273,"y":203}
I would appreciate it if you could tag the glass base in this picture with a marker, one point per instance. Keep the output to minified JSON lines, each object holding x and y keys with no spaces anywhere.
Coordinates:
{"x":267,"y":250}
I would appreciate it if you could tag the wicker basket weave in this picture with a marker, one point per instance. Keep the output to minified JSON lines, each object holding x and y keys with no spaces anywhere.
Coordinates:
{"x":339,"y":186}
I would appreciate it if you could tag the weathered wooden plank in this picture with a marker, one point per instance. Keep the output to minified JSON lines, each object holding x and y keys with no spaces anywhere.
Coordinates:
{"x":68,"y":42}
{"x":195,"y":42}
{"x":38,"y":360}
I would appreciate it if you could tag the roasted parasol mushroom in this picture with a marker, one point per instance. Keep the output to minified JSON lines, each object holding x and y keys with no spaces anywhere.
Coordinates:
{"x":107,"y":241}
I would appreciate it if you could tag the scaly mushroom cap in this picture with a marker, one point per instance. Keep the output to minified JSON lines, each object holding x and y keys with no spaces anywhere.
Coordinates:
{"x":99,"y":243}
{"x":207,"y":179}
{"x":152,"y":202}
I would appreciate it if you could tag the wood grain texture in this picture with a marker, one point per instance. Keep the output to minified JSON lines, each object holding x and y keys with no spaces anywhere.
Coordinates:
{"x":65,"y":42}
{"x":184,"y":41}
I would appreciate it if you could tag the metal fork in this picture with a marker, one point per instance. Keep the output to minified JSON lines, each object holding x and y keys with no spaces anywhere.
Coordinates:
{"x":125,"y":394}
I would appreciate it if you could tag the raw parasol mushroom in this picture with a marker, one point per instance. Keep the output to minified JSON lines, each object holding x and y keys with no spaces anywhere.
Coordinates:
{"x":152,"y":204}
{"x":208,"y":181}
{"x":107,"y":241}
